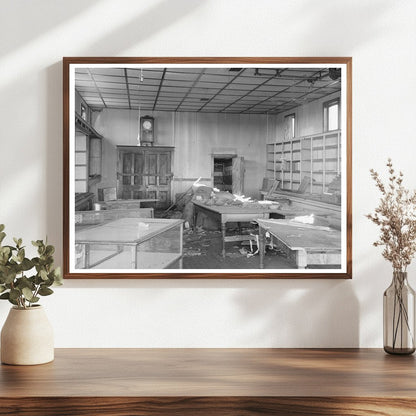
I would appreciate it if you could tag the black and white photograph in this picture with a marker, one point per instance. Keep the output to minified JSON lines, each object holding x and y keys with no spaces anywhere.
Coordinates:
{"x":208,"y":168}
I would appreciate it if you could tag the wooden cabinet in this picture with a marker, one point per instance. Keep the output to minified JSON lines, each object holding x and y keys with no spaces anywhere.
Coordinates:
{"x":144,"y":172}
{"x":316,"y":156}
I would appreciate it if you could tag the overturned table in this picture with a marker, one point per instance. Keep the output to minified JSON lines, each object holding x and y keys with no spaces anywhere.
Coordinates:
{"x":304,"y":244}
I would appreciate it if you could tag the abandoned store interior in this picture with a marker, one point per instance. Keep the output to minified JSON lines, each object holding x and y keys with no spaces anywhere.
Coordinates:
{"x":214,"y":167}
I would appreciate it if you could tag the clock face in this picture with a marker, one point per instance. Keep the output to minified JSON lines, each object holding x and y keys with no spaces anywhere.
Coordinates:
{"x":147,"y":125}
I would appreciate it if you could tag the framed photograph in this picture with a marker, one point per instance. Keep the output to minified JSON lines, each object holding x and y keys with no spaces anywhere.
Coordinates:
{"x":207,"y":167}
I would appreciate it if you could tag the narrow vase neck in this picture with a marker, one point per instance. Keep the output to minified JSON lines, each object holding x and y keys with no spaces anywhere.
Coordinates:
{"x":400,"y":276}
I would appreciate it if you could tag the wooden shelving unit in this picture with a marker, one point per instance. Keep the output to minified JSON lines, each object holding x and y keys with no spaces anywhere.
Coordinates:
{"x":88,"y":155}
{"x":317,"y":156}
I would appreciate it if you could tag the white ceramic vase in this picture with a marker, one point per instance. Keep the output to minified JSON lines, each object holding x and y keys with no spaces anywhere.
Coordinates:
{"x":27,"y":337}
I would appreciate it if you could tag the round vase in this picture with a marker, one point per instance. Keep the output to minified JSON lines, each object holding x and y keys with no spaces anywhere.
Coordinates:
{"x":27,"y":337}
{"x":399,"y":316}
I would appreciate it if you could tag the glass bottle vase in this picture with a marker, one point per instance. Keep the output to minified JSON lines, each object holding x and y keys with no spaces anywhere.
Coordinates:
{"x":399,"y":316}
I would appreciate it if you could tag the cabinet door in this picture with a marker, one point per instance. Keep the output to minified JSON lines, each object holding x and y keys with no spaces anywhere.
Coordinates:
{"x":238,"y":175}
{"x":145,"y":173}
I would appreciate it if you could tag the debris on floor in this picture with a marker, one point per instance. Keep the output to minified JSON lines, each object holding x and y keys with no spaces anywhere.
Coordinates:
{"x":202,"y":246}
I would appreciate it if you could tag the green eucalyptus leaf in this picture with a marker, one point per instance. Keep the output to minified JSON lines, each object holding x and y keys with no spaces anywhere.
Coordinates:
{"x":15,"y":294}
{"x":49,"y":250}
{"x":9,"y":277}
{"x":5,"y":295}
{"x":21,"y":255}
{"x":2,"y":226}
{"x":26,"y":264}
{"x":24,"y":282}
{"x":5,"y":250}
{"x":43,"y":275}
{"x":13,"y":302}
{"x":2,"y":236}
{"x":58,"y":276}
{"x":45,"y":291}
{"x":27,"y":293}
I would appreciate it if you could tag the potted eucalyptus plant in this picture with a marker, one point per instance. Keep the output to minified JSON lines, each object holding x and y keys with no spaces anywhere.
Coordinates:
{"x":27,"y":336}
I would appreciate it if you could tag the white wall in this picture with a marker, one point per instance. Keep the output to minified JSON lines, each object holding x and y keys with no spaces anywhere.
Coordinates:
{"x":309,"y":119}
{"x":195,"y":138}
{"x":380,"y":36}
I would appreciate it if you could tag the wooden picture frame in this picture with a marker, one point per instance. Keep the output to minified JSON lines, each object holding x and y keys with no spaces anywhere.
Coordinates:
{"x":308,"y":178}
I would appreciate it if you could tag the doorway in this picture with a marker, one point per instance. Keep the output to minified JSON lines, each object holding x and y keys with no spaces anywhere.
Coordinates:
{"x":228,"y":173}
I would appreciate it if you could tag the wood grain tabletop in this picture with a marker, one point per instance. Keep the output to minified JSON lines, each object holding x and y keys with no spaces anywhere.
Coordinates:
{"x":238,"y":381}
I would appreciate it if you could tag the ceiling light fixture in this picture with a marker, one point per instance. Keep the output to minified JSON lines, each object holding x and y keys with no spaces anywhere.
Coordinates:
{"x":334,"y":73}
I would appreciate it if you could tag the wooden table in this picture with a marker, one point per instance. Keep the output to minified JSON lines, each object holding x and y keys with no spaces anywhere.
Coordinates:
{"x":304,"y":244}
{"x":220,"y":382}
{"x":231,"y":213}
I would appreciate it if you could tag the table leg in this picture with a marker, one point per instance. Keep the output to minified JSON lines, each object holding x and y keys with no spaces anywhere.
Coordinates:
{"x":223,"y":229}
{"x":195,"y":217}
{"x":262,"y":241}
{"x":87,"y":256}
{"x":301,"y":258}
{"x":134,"y":257}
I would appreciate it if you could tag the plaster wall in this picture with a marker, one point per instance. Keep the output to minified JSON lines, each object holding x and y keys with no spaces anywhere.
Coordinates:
{"x":195,"y":138}
{"x":380,"y":36}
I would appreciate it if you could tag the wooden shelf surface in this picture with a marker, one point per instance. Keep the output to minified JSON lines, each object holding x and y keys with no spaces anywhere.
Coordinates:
{"x":220,"y":381}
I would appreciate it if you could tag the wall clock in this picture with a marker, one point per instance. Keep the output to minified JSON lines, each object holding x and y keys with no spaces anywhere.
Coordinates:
{"x":147,"y":129}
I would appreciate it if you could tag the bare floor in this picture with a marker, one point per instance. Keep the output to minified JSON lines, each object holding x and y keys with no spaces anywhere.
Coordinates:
{"x":203,"y":250}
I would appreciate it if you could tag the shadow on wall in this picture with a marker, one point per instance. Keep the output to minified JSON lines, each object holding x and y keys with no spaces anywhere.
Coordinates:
{"x":147,"y":24}
{"x":45,"y":17}
{"x":157,"y":18}
{"x":300,"y":313}
{"x":347,"y":23}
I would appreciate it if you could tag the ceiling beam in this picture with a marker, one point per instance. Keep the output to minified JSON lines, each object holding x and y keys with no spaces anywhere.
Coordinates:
{"x":96,"y":87}
{"x":248,"y":93}
{"x":222,"y":89}
{"x":127,"y":86}
{"x":308,"y":93}
{"x":279,"y":92}
{"x":191,"y":88}
{"x":160,"y":87}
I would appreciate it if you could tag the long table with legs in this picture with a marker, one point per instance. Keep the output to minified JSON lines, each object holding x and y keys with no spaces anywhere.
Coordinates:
{"x":231,"y":213}
{"x":304,"y":244}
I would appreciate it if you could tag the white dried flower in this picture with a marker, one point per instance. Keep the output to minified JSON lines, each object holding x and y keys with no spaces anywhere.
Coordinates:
{"x":396,"y":217}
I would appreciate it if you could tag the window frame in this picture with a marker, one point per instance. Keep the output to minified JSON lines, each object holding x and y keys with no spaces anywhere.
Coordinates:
{"x":326,"y":106}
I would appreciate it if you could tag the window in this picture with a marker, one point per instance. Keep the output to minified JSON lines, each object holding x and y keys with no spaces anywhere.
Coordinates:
{"x":289,"y":126}
{"x":83,"y":112}
{"x":331,"y":115}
